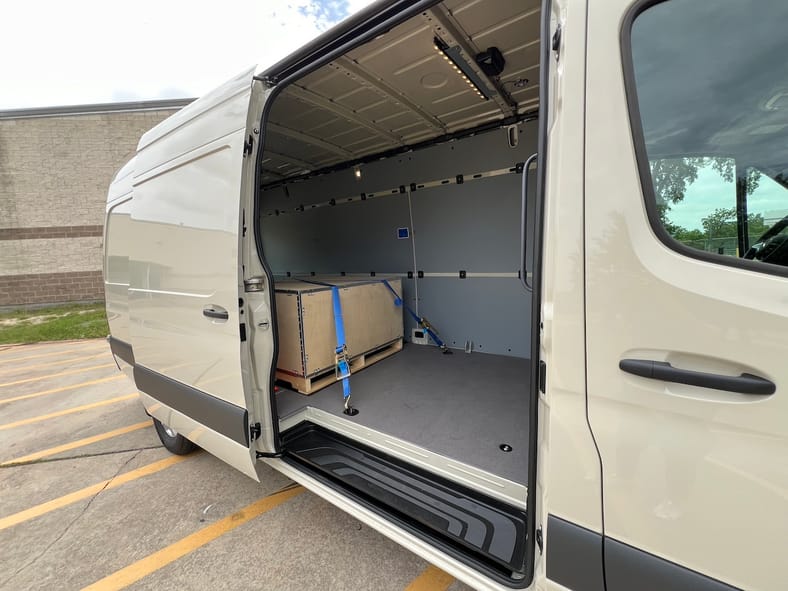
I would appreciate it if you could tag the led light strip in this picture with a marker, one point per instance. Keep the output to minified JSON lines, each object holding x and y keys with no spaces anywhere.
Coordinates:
{"x":401,"y":190}
{"x":453,"y":55}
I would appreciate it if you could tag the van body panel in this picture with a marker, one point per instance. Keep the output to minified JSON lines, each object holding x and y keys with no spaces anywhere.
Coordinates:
{"x":222,"y":447}
{"x":568,"y":461}
{"x":118,"y":233}
{"x":690,"y":473}
{"x":207,"y":117}
{"x":184,"y":266}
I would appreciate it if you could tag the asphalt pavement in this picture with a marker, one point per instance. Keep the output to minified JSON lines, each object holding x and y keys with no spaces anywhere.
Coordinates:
{"x":89,"y":499}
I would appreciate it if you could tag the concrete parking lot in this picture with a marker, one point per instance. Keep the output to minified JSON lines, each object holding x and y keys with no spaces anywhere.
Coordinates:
{"x":90,"y":499}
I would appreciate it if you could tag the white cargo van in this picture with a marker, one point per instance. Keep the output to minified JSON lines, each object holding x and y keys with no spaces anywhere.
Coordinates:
{"x":613,"y":412}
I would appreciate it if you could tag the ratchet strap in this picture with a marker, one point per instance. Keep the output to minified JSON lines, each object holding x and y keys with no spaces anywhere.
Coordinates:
{"x":420,"y":320}
{"x":342,"y":362}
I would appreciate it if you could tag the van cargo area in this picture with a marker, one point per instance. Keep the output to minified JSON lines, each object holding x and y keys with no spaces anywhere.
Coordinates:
{"x":404,"y":160}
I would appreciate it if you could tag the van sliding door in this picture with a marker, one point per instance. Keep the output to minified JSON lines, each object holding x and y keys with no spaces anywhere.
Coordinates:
{"x":186,"y":324}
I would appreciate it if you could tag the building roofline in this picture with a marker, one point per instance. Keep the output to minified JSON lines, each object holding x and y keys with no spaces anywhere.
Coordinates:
{"x":155,"y":105}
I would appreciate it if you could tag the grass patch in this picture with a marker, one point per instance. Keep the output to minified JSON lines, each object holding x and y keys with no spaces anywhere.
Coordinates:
{"x":74,"y":321}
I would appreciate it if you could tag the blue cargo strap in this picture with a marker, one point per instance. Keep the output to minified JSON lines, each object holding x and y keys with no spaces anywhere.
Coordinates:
{"x":420,"y":320}
{"x":342,"y":367}
{"x":342,"y":363}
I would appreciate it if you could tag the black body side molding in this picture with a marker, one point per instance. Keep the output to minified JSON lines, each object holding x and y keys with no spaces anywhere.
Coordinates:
{"x":628,"y":568}
{"x":574,"y":556}
{"x":464,"y":523}
{"x":121,"y":349}
{"x":218,"y":415}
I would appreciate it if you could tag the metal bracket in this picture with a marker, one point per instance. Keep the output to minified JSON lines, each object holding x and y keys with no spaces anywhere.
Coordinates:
{"x":342,"y":367}
{"x":254,"y":431}
{"x":254,"y":284}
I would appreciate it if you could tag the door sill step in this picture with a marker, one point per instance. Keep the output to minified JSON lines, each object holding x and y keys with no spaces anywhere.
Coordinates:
{"x":464,"y":523}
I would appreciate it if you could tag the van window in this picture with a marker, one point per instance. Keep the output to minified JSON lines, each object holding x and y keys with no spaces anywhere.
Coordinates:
{"x":709,"y":92}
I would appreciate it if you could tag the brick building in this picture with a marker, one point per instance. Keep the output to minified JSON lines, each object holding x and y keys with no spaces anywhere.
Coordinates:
{"x":55,"y":167}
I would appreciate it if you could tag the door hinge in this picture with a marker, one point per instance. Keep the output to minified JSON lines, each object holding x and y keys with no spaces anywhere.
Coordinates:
{"x":539,"y":538}
{"x":542,"y":376}
{"x":243,"y":332}
{"x":254,"y":431}
{"x":248,"y":145}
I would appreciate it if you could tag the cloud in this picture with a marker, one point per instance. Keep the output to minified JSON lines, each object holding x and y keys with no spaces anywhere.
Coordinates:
{"x":87,"y":51}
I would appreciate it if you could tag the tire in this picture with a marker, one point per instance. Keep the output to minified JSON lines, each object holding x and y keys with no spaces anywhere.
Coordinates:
{"x":173,"y":441}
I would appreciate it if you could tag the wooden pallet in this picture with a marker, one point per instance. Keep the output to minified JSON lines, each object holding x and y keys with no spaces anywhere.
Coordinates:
{"x":310,"y":385}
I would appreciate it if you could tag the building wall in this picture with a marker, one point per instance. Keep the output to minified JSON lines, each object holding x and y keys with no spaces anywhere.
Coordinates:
{"x":55,"y":169}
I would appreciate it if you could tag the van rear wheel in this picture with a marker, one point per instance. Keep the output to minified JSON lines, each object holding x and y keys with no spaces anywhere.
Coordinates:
{"x":172,"y":440}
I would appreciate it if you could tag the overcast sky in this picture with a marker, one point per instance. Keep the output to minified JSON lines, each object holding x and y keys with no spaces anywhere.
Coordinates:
{"x":55,"y":52}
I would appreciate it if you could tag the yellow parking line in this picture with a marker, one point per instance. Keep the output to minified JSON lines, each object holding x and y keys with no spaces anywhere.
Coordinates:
{"x":61,"y":389}
{"x":75,"y":444}
{"x":81,"y":349}
{"x":68,"y":411}
{"x":49,"y":364}
{"x":57,"y":375}
{"x":142,"y":568}
{"x":431,"y":579}
{"x":88,"y":491}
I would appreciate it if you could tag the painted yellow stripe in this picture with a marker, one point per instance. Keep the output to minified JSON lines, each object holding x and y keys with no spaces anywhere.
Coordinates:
{"x":50,"y":364}
{"x":67,"y":411}
{"x":77,"y":444}
{"x":431,"y":579}
{"x":142,"y":568}
{"x":61,"y":389}
{"x":57,"y":375}
{"x":88,"y":491}
{"x":81,"y":349}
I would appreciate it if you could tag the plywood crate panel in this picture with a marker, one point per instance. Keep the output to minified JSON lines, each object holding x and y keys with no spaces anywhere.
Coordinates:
{"x":305,"y":316}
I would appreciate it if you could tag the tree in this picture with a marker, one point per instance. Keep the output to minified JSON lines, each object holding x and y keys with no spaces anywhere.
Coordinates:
{"x":672,"y":177}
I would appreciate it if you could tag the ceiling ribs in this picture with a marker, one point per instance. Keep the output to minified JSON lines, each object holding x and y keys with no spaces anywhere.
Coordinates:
{"x":289,"y":159}
{"x":452,"y":32}
{"x":309,"y":139}
{"x":320,"y":101}
{"x":277,"y":175}
{"x":391,"y":92}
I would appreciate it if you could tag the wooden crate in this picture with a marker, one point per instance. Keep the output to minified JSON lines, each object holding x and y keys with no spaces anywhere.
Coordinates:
{"x":307,"y":336}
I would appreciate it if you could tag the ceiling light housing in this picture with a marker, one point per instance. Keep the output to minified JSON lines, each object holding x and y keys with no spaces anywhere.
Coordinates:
{"x":453,"y":55}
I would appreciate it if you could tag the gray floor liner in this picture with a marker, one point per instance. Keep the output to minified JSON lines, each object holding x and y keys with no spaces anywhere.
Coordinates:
{"x":463,"y":406}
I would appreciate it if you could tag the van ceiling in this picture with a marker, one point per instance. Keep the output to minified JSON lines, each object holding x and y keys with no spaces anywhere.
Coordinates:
{"x":399,"y":90}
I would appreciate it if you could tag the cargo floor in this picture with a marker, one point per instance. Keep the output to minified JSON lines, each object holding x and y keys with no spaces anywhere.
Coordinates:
{"x":463,"y":406}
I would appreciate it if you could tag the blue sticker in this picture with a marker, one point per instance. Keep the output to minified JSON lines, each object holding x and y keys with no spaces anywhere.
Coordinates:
{"x":403,"y":233}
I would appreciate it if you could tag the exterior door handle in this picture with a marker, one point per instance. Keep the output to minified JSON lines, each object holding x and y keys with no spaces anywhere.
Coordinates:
{"x":216,"y":312}
{"x":662,"y":370}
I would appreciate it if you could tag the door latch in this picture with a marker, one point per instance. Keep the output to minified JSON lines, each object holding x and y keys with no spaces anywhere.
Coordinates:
{"x":555,"y":44}
{"x":254,"y":431}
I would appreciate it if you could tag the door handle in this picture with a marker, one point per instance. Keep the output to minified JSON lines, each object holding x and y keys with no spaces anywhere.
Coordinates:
{"x":524,"y":223}
{"x":215,"y":312}
{"x":662,"y":370}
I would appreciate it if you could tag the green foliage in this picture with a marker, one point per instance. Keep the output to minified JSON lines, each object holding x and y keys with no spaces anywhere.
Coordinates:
{"x":77,"y":321}
{"x":673,"y":176}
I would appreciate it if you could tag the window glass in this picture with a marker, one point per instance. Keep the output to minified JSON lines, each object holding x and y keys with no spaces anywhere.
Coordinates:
{"x":712,"y":96}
